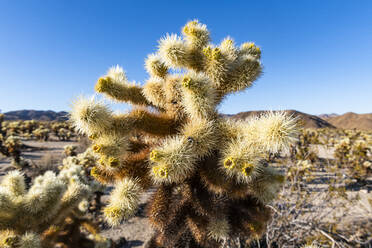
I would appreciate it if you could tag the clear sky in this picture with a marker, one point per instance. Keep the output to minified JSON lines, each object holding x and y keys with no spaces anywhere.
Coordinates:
{"x":317,"y":54}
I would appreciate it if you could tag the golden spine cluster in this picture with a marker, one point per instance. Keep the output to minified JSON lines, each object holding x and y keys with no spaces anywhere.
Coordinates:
{"x":212,"y":177}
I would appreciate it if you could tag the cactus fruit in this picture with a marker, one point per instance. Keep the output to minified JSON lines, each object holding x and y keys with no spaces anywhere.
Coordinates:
{"x":212,"y":178}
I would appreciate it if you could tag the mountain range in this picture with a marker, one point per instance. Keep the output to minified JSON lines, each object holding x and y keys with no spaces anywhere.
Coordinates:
{"x":39,"y":115}
{"x":348,"y":120}
{"x":351,"y":120}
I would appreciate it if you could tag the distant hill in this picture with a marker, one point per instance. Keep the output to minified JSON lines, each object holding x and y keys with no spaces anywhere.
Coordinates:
{"x":347,"y":121}
{"x":326,"y":116}
{"x":38,"y":115}
{"x":310,"y":121}
{"x":352,"y":120}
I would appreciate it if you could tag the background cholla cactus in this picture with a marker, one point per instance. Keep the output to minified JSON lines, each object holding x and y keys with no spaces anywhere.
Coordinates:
{"x":87,"y":160}
{"x":11,"y":147}
{"x":70,"y":150}
{"x":212,"y":178}
{"x":62,"y":130}
{"x":41,"y":133}
{"x":46,"y":214}
{"x":41,"y":130}
{"x":354,"y":153}
{"x":303,"y":149}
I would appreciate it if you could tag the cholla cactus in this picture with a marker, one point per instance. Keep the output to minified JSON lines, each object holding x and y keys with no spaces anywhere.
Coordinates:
{"x":70,"y":150}
{"x":11,"y":147}
{"x":64,"y":134}
{"x":303,"y":149}
{"x":62,"y":130}
{"x":87,"y":160}
{"x":354,"y":153}
{"x":300,"y":171}
{"x":28,"y":127}
{"x":41,"y":133}
{"x":212,"y":177}
{"x":41,"y":215}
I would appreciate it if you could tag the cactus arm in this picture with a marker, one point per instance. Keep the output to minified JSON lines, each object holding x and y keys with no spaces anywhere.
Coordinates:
{"x":122,"y":92}
{"x":145,"y":121}
{"x":116,"y":86}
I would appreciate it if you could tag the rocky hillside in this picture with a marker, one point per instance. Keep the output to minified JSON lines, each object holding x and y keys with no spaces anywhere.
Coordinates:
{"x":310,"y":121}
{"x":352,"y":120}
{"x":38,"y":115}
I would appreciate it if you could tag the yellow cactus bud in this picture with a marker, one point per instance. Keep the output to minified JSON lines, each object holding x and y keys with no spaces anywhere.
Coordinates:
{"x":251,"y":227}
{"x":187,"y":82}
{"x":213,"y":54}
{"x":190,"y":28}
{"x":102,"y":84}
{"x":160,"y":171}
{"x":8,"y":239}
{"x":207,"y":51}
{"x":163,"y":172}
{"x":216,"y":53}
{"x":155,"y":170}
{"x":154,"y":155}
{"x":247,"y":169}
{"x":113,"y":162}
{"x":228,"y":42}
{"x":113,"y":213}
{"x":93,"y":172}
{"x":92,"y":136}
{"x":102,"y":160}
{"x":97,"y":148}
{"x":229,"y":163}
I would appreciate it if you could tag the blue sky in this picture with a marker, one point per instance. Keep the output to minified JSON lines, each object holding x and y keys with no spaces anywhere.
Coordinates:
{"x":317,"y":54}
